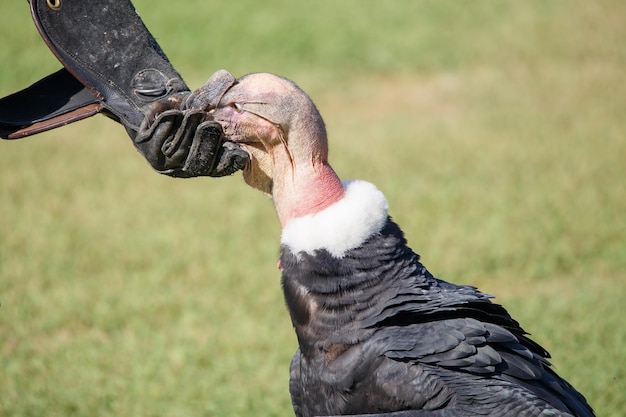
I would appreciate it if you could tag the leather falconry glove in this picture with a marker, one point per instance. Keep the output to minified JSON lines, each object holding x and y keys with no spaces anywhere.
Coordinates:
{"x":113,"y":65}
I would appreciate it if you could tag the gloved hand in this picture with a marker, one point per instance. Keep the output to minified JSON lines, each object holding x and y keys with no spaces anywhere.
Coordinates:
{"x":186,"y":143}
{"x":114,"y":66}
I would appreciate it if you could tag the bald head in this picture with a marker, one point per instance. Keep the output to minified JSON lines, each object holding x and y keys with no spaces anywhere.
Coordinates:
{"x":276,"y":122}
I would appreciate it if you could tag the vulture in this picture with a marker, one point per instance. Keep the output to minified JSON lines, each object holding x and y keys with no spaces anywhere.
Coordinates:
{"x":378,"y":334}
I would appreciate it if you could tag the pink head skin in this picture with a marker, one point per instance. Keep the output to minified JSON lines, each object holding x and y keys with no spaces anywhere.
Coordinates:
{"x":282,"y":130}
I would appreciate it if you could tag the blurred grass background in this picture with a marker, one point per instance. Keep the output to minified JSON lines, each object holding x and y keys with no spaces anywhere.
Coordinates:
{"x":496,"y":130}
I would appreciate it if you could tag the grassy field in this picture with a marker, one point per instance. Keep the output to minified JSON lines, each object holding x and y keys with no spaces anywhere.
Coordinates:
{"x":497,"y":131}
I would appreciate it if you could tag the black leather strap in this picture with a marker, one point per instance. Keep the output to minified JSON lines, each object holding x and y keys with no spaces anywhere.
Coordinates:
{"x":54,"y":101}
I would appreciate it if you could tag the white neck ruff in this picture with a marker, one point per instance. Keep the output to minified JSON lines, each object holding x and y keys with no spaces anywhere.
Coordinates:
{"x":345,"y":225}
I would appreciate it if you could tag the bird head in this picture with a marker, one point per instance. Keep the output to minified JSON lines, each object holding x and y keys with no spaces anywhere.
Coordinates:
{"x":276,"y":123}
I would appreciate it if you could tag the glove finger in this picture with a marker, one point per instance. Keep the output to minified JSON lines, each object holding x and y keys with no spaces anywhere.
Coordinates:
{"x":231,"y":159}
{"x":161,"y":126}
{"x":209,"y":95}
{"x":149,"y":141}
{"x":176,"y":146}
{"x":204,"y":149}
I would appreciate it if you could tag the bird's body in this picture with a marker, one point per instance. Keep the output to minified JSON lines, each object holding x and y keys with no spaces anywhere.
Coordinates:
{"x":377,"y":333}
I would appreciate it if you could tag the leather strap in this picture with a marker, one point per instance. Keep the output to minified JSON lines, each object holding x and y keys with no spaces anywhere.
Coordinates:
{"x":54,"y":101}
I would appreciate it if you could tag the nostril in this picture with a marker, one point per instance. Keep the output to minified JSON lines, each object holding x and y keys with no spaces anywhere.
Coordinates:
{"x":237,"y":106}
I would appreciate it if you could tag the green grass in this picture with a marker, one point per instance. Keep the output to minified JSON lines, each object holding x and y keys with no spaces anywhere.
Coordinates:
{"x":496,"y":130}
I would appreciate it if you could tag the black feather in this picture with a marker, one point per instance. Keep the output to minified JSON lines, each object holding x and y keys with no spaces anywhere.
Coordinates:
{"x":379,"y":334}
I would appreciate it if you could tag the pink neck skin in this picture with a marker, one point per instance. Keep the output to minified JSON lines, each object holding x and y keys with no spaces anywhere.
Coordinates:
{"x":305,"y":191}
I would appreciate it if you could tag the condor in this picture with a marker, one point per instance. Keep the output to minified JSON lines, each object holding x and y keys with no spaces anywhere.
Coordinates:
{"x":378,"y":333}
